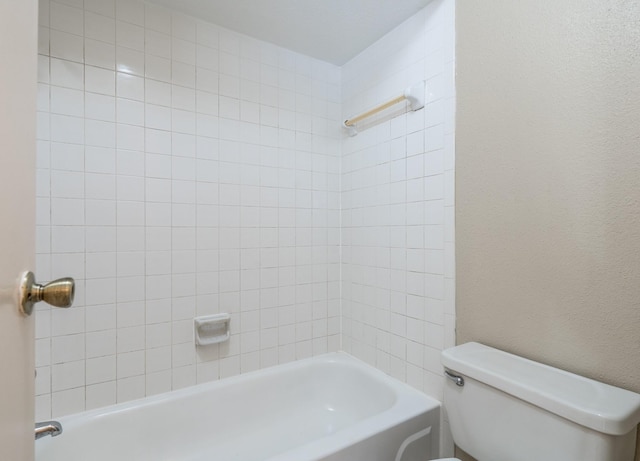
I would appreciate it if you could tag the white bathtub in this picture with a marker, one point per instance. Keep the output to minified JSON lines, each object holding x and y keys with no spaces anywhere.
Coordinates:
{"x":331,"y":407}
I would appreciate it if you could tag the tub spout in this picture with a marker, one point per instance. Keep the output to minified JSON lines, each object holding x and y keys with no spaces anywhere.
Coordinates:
{"x":52,"y":428}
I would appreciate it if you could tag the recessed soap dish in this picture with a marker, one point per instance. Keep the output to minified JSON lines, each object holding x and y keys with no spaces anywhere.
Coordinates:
{"x":211,"y":329}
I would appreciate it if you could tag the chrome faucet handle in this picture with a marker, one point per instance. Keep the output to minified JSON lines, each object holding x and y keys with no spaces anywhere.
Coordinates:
{"x":58,"y":293}
{"x":52,"y":428}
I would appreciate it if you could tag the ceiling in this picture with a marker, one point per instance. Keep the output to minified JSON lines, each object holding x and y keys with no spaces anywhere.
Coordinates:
{"x":330,"y":30}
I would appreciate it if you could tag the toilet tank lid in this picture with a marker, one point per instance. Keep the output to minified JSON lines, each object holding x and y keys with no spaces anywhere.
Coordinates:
{"x":590,"y":403}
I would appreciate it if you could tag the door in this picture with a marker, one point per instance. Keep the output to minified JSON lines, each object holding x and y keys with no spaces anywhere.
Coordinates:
{"x":18,"y":51}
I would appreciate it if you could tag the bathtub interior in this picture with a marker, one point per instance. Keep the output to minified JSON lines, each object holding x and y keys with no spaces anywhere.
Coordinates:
{"x":247,"y":418}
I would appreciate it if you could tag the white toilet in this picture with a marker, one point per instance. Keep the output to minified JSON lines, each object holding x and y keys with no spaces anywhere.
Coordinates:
{"x":502,"y":407}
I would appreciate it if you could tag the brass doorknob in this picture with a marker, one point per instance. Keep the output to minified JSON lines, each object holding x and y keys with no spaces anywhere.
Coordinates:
{"x":58,"y":293}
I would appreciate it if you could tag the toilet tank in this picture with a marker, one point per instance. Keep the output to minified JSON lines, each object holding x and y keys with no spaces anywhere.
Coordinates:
{"x":514,"y":409}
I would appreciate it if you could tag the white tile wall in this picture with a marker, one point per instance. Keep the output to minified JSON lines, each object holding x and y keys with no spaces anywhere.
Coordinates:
{"x":397,"y":203}
{"x":183,"y":170}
